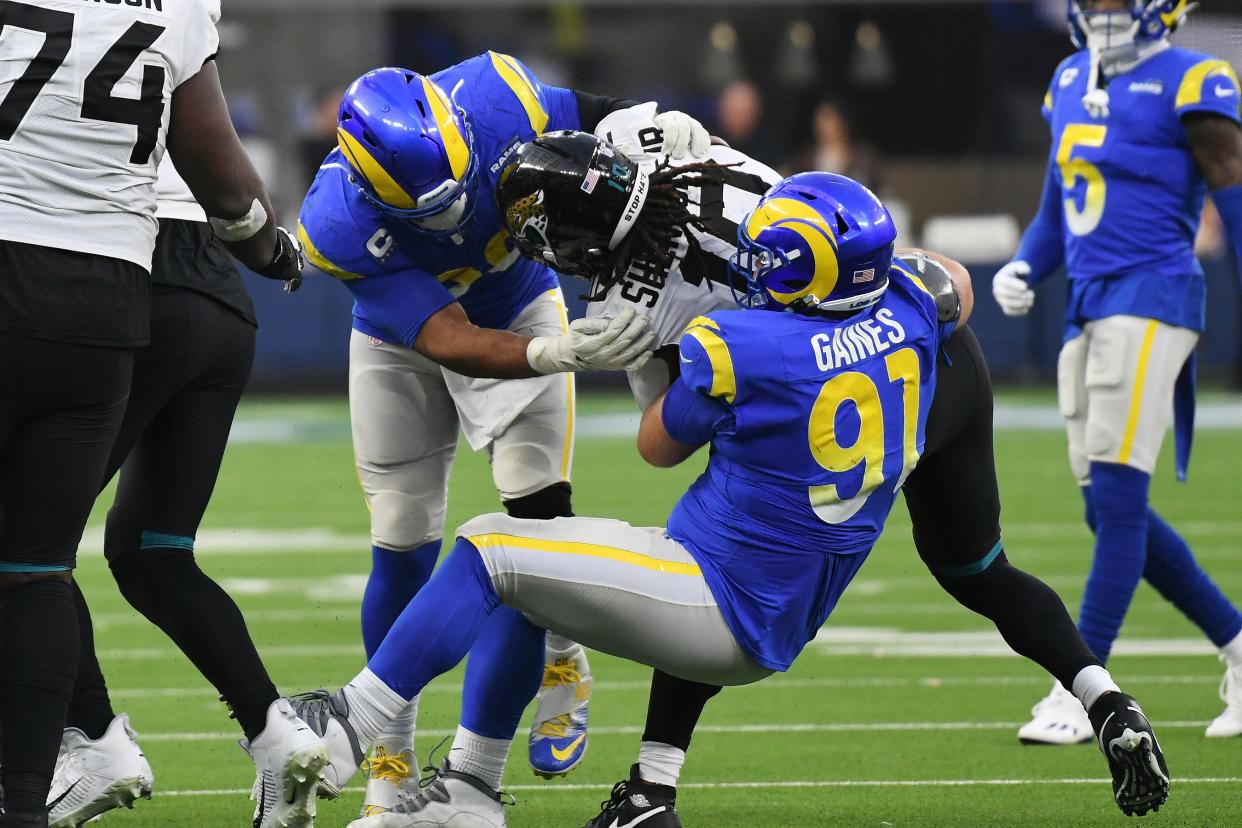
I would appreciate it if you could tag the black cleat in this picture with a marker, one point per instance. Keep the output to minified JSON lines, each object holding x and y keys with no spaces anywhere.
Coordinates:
{"x":635,"y":802}
{"x":1140,"y":775}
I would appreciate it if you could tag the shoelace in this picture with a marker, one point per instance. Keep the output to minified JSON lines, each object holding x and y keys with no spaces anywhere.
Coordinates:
{"x":389,"y":767}
{"x":560,"y":672}
{"x":616,"y":799}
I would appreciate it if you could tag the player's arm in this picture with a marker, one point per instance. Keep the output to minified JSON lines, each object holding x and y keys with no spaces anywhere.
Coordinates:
{"x":697,"y":404}
{"x":1216,"y":142}
{"x":948,"y":281}
{"x":656,"y":445}
{"x":449,"y":338}
{"x":211,"y":159}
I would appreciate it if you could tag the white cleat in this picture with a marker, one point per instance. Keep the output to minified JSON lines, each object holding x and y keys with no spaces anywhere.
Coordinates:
{"x":289,"y":761}
{"x":390,"y":776}
{"x":1228,"y":723}
{"x":450,"y":800}
{"x":1058,"y":719}
{"x":93,"y":777}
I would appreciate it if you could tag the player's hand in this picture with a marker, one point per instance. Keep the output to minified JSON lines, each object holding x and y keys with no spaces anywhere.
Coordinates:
{"x":683,"y":135}
{"x":1011,"y":290}
{"x":623,"y":343}
{"x":287,"y":262}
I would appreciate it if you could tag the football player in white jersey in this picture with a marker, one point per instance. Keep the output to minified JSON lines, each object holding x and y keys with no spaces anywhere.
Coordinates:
{"x":89,"y":95}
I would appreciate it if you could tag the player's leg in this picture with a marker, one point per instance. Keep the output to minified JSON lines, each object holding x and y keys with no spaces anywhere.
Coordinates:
{"x":1127,"y":421}
{"x":628,"y":591}
{"x":532,"y":459}
{"x":954,"y":506}
{"x":54,"y":442}
{"x":405,"y":432}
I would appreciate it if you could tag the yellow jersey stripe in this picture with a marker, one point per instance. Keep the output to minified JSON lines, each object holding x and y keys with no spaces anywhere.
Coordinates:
{"x":724,"y":382}
{"x":454,"y":142}
{"x":386,"y":187}
{"x":567,"y":450}
{"x":591,"y":550}
{"x":918,"y":283}
{"x":511,"y":73}
{"x":321,"y":261}
{"x":1136,"y":402}
{"x":1191,"y":90}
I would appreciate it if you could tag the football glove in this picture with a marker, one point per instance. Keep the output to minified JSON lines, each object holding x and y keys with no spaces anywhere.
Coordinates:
{"x":1010,"y":288}
{"x":623,"y":343}
{"x":682,"y":135}
{"x":287,"y":262}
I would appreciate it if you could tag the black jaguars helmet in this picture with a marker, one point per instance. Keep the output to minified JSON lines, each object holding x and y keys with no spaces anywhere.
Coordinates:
{"x":567,"y":198}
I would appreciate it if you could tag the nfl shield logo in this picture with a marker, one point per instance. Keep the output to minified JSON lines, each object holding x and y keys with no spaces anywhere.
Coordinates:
{"x":861,"y":276}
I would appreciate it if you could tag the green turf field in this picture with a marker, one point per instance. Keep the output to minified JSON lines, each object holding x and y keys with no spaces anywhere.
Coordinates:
{"x":892,"y":718}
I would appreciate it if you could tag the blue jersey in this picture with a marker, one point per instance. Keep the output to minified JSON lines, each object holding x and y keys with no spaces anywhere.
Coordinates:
{"x":400,"y":277}
{"x":823,"y":421}
{"x":1130,"y":189}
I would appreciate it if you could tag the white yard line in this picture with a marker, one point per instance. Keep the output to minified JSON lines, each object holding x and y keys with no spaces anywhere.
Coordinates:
{"x":749,"y":729}
{"x":881,"y":641}
{"x":569,"y":787}
{"x":767,"y":685}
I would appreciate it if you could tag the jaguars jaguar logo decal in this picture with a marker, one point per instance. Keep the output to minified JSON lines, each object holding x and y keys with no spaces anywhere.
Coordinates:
{"x":527,"y":220}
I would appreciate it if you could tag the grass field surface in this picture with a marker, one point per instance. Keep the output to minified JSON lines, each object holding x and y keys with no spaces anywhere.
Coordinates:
{"x":902,"y":713}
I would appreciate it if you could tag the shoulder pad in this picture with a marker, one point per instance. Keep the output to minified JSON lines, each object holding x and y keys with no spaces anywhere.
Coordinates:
{"x":933,"y":278}
{"x":706,"y":363}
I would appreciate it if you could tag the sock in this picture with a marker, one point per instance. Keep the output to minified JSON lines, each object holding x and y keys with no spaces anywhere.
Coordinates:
{"x":1232,"y":651}
{"x":674,"y":708}
{"x":166,"y":585}
{"x":398,"y":735}
{"x":1119,"y":500}
{"x":373,"y":706}
{"x":503,"y":673}
{"x":436,"y":629}
{"x":660,"y":764}
{"x":1091,"y":683}
{"x":395,"y":578}
{"x":556,"y":643}
{"x":1174,"y":572}
{"x":480,"y":756}
{"x":91,"y":710}
{"x":38,"y":663}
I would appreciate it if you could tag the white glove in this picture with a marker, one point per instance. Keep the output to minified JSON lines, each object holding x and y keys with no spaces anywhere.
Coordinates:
{"x":1010,"y":288}
{"x":623,"y":343}
{"x":683,"y":134}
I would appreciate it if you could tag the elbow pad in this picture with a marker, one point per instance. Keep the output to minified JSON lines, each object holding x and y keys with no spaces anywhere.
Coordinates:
{"x":938,"y":282}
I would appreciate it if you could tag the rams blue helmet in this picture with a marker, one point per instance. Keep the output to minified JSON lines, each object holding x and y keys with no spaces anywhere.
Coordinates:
{"x":1143,"y":20}
{"x":815,"y":241}
{"x":410,"y":149}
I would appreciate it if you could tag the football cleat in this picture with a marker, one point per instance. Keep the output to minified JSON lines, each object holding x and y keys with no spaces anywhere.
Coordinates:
{"x":1140,"y":775}
{"x":635,"y":802}
{"x":289,"y":761}
{"x":1058,"y":719}
{"x":558,"y":733}
{"x":95,"y":776}
{"x":327,"y":714}
{"x":448,"y":799}
{"x":389,"y":775}
{"x":1228,"y":723}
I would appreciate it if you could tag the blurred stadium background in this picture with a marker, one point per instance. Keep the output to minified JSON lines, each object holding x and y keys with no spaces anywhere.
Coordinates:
{"x":934,"y":104}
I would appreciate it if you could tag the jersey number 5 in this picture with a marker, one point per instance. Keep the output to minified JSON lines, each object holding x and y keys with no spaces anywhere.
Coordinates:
{"x":869,"y":447}
{"x":1081,"y":222}
{"x":98,"y":103}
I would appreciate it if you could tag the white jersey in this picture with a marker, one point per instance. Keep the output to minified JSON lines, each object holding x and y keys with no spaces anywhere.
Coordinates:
{"x":693,"y":285}
{"x":85,"y":88}
{"x":175,"y":201}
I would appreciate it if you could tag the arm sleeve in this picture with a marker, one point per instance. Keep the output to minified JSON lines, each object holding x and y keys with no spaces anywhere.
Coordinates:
{"x":594,"y":108}
{"x":1209,"y":86}
{"x":400,"y":304}
{"x":690,"y":417}
{"x":1229,"y":205}
{"x":1043,"y":243}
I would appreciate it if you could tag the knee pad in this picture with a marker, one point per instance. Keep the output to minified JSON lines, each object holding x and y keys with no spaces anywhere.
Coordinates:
{"x":545,"y":504}
{"x":402,"y":522}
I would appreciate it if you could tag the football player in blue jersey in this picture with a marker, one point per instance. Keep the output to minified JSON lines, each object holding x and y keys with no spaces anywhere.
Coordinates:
{"x":455,"y":332}
{"x":840,"y":338}
{"x":1141,"y":130}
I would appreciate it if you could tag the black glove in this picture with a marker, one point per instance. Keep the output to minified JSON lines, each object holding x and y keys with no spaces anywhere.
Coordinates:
{"x":287,"y":263}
